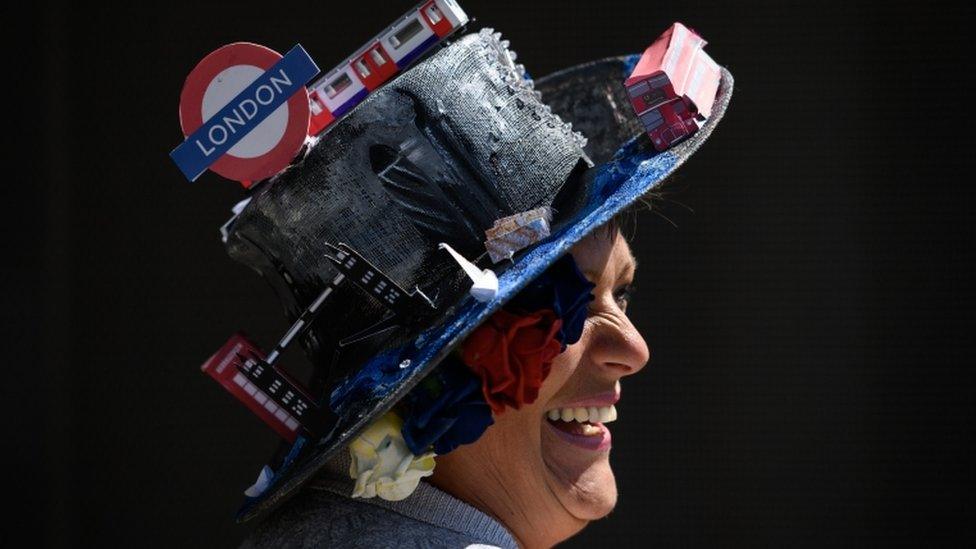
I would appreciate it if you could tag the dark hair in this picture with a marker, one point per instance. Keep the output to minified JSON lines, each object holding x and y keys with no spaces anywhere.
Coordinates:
{"x":624,"y":223}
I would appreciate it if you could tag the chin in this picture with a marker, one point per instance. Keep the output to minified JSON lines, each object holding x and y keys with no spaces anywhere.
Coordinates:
{"x":581,"y":480}
{"x":594,"y":495}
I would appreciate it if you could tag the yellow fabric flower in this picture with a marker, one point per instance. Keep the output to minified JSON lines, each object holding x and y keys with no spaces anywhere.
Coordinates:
{"x":382,"y":465}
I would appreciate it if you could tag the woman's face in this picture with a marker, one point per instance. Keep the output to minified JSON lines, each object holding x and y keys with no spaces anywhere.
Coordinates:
{"x":544,"y":478}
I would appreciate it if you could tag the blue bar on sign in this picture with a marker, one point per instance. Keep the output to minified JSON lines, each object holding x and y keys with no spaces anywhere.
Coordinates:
{"x":238,"y":117}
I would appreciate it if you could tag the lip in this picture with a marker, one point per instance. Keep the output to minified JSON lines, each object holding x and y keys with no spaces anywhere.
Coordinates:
{"x":607,"y":398}
{"x":596,"y":443}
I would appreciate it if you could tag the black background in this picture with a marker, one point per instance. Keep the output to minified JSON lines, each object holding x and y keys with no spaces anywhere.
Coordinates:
{"x":807,"y":304}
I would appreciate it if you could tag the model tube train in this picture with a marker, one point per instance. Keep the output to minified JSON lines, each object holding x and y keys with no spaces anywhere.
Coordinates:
{"x":390,"y":52}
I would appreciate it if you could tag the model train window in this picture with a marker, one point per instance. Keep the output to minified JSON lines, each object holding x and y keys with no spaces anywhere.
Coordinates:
{"x":651,"y":119}
{"x":377,"y":57}
{"x":679,"y":107}
{"x":363,"y":69}
{"x":336,"y":86}
{"x":315,"y":104}
{"x":404,"y":35}
{"x":434,"y":14}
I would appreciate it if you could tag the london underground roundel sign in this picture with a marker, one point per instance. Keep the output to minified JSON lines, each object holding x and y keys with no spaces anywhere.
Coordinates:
{"x":244,"y":112}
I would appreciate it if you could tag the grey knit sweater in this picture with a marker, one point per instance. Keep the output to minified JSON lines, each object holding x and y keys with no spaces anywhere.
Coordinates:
{"x":323,"y":515}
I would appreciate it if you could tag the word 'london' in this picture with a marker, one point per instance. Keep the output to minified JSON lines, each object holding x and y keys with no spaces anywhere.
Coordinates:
{"x":243,"y":111}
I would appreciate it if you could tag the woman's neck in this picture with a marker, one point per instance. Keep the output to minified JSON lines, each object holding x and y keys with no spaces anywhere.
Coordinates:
{"x":516,"y":499}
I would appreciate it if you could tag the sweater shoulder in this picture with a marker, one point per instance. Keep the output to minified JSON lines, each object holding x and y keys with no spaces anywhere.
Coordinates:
{"x":318,"y":518}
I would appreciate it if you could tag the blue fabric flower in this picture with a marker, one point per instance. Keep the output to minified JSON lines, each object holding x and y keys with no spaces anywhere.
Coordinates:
{"x":563,"y":289}
{"x":445,"y":410}
{"x":377,"y":377}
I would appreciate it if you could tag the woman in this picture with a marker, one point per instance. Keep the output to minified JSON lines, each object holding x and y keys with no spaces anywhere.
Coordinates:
{"x":463,"y":401}
{"x":544,"y":478}
{"x":528,"y":480}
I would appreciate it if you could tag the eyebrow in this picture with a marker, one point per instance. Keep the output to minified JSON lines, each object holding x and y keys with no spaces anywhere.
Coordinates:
{"x":630,"y":268}
{"x":591,"y":275}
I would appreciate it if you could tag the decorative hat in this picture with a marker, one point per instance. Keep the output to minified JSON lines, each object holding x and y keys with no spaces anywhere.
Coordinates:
{"x":426,"y":209}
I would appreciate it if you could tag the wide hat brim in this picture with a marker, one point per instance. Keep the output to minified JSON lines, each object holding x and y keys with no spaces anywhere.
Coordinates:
{"x":617,"y":180}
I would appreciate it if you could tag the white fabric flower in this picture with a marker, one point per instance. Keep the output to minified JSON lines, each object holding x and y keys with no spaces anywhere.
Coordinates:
{"x":382,"y":465}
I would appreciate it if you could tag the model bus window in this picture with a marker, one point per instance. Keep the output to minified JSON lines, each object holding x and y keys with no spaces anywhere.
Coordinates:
{"x":639,"y":89}
{"x":659,"y":81}
{"x":434,"y":14}
{"x":377,"y":57}
{"x":404,"y":35}
{"x":336,"y":86}
{"x":651,"y":119}
{"x":363,"y":69}
{"x":653,"y":97}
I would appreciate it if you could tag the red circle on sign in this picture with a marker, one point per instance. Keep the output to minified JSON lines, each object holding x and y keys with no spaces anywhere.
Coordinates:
{"x":191,"y":112}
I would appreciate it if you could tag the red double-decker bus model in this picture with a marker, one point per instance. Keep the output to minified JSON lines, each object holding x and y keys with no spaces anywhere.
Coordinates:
{"x":673,"y":86}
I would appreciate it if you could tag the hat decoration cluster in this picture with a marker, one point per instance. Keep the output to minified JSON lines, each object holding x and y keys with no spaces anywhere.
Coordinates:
{"x":246,"y":113}
{"x":501,"y":365}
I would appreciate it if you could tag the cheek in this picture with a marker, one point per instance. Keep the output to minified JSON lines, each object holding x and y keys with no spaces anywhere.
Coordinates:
{"x":563,"y":371}
{"x":515,"y":437}
{"x":510,"y":428}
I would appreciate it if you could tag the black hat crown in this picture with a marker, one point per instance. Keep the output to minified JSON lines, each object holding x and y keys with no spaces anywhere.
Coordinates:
{"x":455,"y":143}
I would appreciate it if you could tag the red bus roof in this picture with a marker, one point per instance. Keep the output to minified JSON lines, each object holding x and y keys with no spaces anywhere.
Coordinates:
{"x":670,"y":53}
{"x":678,"y":54}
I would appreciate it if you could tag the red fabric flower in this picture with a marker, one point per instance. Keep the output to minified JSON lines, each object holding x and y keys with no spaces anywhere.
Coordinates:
{"x":512,"y":355}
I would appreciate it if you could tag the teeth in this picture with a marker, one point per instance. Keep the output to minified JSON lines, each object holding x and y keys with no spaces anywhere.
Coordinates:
{"x":593,"y":414}
{"x":590,"y":430}
{"x":581,"y":414}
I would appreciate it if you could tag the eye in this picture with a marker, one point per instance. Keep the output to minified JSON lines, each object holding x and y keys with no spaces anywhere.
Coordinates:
{"x":623,"y":295}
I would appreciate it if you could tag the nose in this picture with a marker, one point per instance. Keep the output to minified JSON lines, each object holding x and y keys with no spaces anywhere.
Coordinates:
{"x":616,"y":346}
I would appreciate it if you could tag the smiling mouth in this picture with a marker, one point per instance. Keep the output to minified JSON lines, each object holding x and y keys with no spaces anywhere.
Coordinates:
{"x":583,"y":427}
